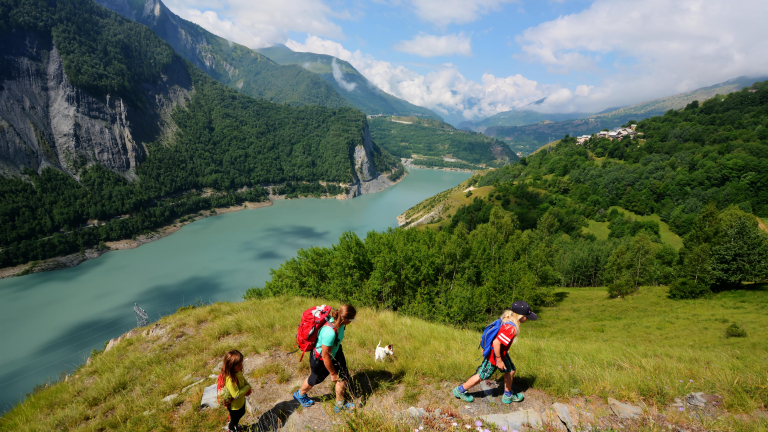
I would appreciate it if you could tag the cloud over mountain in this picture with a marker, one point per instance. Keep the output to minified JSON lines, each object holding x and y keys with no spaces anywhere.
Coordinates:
{"x":426,"y":45}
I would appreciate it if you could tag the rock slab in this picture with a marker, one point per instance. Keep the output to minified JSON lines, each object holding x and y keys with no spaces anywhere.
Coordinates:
{"x":515,"y":420}
{"x":209,"y":397}
{"x":696,"y":399}
{"x":624,"y":411}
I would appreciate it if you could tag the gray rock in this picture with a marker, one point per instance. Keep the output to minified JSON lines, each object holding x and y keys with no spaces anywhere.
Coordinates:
{"x":185,"y":389}
{"x":213,"y":376}
{"x":567,"y":414}
{"x":170,"y":397}
{"x":209,"y":398}
{"x":515,"y":420}
{"x":623,"y":410}
{"x":696,"y":399}
{"x":416,"y":413}
{"x":487,"y":391}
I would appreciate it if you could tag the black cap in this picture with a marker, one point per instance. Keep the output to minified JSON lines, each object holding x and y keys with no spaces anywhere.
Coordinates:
{"x":522,"y":308}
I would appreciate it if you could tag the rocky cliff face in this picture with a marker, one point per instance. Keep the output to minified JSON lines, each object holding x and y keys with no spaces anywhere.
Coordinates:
{"x":367,"y":178}
{"x":46,"y":121}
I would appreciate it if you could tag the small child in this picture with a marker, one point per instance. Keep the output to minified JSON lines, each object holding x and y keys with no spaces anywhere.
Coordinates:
{"x":517,"y":313}
{"x":238,"y":387}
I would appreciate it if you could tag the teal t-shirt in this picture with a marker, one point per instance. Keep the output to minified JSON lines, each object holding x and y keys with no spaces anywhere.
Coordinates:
{"x":329,"y":338}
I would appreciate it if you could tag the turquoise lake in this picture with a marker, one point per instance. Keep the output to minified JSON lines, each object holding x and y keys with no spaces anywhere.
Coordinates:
{"x":51,"y":321}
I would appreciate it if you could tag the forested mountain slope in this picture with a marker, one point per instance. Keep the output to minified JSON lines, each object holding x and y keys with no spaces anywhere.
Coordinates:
{"x":527,"y":138}
{"x":230,"y":63}
{"x":91,"y":100}
{"x":530,"y":226}
{"x":351,"y":84}
{"x":519,"y":117}
{"x":435,"y":143}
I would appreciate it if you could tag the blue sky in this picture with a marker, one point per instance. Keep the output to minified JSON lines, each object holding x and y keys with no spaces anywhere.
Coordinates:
{"x":468,"y":59}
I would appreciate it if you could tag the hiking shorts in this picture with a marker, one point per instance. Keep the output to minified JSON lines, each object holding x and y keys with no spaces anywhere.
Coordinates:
{"x":320,"y":373}
{"x":486,"y":368}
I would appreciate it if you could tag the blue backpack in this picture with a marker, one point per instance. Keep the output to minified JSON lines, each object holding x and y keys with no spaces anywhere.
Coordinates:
{"x":489,"y":334}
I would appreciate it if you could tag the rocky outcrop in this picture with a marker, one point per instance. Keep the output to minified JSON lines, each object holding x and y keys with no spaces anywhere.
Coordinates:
{"x":367,"y":179}
{"x":46,"y":121}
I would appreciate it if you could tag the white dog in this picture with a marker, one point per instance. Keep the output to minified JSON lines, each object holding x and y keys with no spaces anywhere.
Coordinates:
{"x":382,"y":352}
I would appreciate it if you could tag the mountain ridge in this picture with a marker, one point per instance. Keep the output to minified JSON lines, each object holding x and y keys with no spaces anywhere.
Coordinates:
{"x":348,"y":81}
{"x":232,"y":64}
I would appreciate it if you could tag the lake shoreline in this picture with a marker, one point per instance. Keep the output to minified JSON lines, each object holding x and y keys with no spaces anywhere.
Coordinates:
{"x":75,"y":259}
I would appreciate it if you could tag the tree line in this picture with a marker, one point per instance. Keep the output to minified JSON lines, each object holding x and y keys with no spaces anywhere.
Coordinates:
{"x":703,"y":170}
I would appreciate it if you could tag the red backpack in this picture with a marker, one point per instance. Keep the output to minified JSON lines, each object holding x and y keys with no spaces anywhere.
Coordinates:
{"x":312,"y":320}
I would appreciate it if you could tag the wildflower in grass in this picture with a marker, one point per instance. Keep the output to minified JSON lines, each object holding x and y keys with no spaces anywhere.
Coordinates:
{"x":421,"y":428}
{"x":468,"y":426}
{"x":690,"y":380}
{"x":504,"y":428}
{"x":681,"y":409}
{"x":455,"y":424}
{"x":478,"y":423}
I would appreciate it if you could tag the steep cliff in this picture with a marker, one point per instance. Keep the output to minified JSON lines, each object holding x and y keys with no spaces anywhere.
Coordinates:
{"x":367,"y":178}
{"x":46,"y":121}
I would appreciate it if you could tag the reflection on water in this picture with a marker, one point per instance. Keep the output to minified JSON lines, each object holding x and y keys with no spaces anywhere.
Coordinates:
{"x":50,"y":322}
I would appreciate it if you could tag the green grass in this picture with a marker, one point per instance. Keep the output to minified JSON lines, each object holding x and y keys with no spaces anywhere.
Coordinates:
{"x":599,"y":229}
{"x":641,"y":348}
{"x":667,"y":236}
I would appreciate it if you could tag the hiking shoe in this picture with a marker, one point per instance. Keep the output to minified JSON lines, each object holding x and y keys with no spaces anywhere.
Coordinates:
{"x":349,"y":406}
{"x":463,"y":396}
{"x":305,"y":400}
{"x":516,"y":397}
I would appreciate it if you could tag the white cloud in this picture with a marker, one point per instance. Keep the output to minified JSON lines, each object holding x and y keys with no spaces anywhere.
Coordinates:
{"x":446,"y":90}
{"x":262,"y":23}
{"x":426,"y":45}
{"x":653,"y":48}
{"x":444,"y":12}
{"x":339,"y":77}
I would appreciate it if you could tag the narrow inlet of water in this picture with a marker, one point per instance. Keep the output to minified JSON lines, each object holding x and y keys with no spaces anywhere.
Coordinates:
{"x":51,"y":321}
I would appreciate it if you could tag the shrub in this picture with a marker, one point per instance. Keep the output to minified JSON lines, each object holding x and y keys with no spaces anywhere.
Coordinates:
{"x":622,"y":287}
{"x":734,"y":330}
{"x":683,"y":289}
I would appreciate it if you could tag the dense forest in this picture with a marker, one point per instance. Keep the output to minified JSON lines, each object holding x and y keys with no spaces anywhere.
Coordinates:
{"x":703,"y":170}
{"x":435,"y":139}
{"x":225,"y":141}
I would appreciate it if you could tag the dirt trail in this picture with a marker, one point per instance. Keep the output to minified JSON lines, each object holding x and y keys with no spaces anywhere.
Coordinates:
{"x":432,"y":405}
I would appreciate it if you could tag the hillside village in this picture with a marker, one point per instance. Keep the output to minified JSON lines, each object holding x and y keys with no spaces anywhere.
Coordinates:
{"x":616,"y":133}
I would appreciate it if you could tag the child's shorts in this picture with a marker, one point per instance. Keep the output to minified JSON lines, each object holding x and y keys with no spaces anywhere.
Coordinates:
{"x":486,"y":368}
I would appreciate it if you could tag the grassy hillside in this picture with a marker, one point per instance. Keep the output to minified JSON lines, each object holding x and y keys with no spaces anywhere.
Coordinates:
{"x":232,"y":64}
{"x":601,"y":230}
{"x":616,"y":350}
{"x":526,"y":138}
{"x":409,"y":137}
{"x":348,"y":82}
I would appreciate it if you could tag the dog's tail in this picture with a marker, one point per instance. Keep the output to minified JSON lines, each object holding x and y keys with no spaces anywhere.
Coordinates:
{"x":378,"y":344}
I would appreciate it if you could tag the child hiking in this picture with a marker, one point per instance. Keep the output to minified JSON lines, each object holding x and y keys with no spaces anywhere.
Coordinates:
{"x":237,"y":388}
{"x":327,"y":358}
{"x":497,"y":338}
